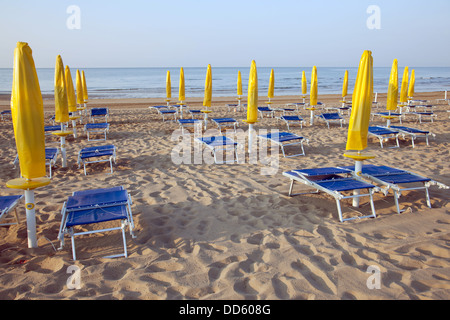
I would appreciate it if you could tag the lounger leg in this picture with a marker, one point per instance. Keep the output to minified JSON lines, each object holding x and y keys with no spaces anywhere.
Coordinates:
{"x":428,"y":197}
{"x":396,"y":196}
{"x":291,"y":187}
{"x":73,"y":247}
{"x":372,"y":204}
{"x":338,"y":203}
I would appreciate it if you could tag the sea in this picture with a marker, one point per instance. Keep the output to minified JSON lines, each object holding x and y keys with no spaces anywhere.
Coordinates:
{"x":115,"y":83}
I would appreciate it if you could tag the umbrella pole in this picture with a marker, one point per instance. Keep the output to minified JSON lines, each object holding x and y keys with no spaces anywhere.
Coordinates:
{"x":74,"y":126}
{"x":311,"y":121}
{"x":31,"y":218}
{"x":63,"y":147}
{"x":250,"y":138}
{"x":358,"y":169}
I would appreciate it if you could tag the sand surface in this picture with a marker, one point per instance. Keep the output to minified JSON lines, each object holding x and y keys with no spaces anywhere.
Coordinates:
{"x":209,"y":231}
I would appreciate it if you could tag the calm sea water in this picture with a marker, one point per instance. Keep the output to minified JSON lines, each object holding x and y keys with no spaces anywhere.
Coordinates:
{"x":151,"y":82}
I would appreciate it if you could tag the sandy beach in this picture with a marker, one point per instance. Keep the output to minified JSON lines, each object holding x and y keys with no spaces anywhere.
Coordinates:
{"x":230,"y":231}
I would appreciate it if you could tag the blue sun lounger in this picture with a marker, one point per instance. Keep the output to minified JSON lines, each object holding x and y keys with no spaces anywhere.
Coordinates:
{"x":158,"y":107}
{"x":7,"y":204}
{"x":292,"y":119}
{"x":99,"y":113}
{"x":383,"y":133}
{"x":225,"y":123}
{"x":90,"y":207}
{"x":219,"y":144}
{"x":6,"y":113}
{"x":422,"y":115}
{"x":106,"y":153}
{"x":331,"y":117}
{"x":337,"y":182}
{"x":167,"y":113}
{"x":96,"y":128}
{"x":413,"y":133}
{"x":189,"y":123}
{"x":284,"y":139}
{"x":266,"y":110}
{"x":393,"y":178}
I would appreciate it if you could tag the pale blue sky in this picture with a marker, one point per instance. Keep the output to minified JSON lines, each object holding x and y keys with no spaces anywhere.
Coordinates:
{"x":226,"y":33}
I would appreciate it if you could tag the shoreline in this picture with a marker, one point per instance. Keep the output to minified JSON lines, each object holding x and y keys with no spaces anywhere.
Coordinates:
{"x":332,"y":99}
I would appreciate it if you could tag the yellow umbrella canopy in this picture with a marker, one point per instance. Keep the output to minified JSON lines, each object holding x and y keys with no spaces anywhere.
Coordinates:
{"x":392,"y":95}
{"x":208,"y":88}
{"x":71,"y":98}
{"x":27,"y":110}
{"x":304,"y":84}
{"x":80,"y":97}
{"x":85,"y":92}
{"x":61,"y":102}
{"x":270,"y":92}
{"x":313,"y":89}
{"x":239,"y":84}
{"x":412,"y":82}
{"x":168,"y":86}
{"x":345,"y":85}
{"x":361,"y":104}
{"x":181,"y":93}
{"x":252,"y":95}
{"x":404,"y":88}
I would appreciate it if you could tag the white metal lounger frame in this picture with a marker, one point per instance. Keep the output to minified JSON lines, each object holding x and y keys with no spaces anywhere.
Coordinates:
{"x":5,"y":212}
{"x":63,"y":230}
{"x":340,"y":120}
{"x":415,"y":135}
{"x":338,"y":196}
{"x":164,"y":112}
{"x":227,"y":124}
{"x":397,"y":189}
{"x":221,"y":149}
{"x":298,"y":120}
{"x":84,"y":161}
{"x":105,"y":115}
{"x":289,"y":143}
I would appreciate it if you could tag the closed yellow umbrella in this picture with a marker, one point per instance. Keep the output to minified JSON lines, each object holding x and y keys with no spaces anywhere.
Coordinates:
{"x":358,"y":127}
{"x":304,"y":86}
{"x":345,"y":86}
{"x":392,"y":94}
{"x":71,"y":97}
{"x":208,"y":88}
{"x":239,"y":89}
{"x":239,"y":84}
{"x":208,"y":94}
{"x":412,"y":82}
{"x":168,"y":88}
{"x":271,"y":91}
{"x":61,"y":101}
{"x":252,"y":103}
{"x":313,"y":94}
{"x":85,"y":91}
{"x":27,"y":111}
{"x":404,"y":88}
{"x":181,"y":91}
{"x":79,"y":84}
{"x":361,"y":105}
{"x":61,"y":106}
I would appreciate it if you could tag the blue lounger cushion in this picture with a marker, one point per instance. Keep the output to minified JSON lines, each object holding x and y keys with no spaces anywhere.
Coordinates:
{"x":96,"y":215}
{"x":391,"y":175}
{"x":410,"y":130}
{"x":97,"y":125}
{"x":99,"y":199}
{"x":381,"y":131}
{"x":281,"y":136}
{"x":330,"y":116}
{"x":94,"y":191}
{"x":52,"y":128}
{"x":6,"y":202}
{"x":322,"y":171}
{"x":223,"y":120}
{"x":291,"y":118}
{"x":99,"y":111}
{"x":343,"y":184}
{"x":217,"y":141}
{"x":188,"y":121}
{"x":50,"y":153}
